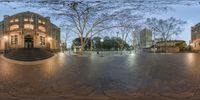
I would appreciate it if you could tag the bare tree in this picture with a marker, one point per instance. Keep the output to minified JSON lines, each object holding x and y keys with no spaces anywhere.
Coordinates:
{"x":135,"y":36}
{"x":87,"y":20}
{"x":90,"y":17}
{"x":121,"y":38}
{"x":83,"y":18}
{"x":67,"y":34}
{"x":166,"y":29}
{"x":128,"y":24}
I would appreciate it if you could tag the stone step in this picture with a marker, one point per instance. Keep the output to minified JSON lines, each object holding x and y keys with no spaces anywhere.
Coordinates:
{"x":30,"y":54}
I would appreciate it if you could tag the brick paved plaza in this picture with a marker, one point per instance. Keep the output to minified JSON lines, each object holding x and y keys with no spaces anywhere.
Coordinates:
{"x":145,"y":76}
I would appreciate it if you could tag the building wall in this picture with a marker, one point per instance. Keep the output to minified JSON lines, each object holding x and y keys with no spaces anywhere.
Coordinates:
{"x":195,"y":37}
{"x":170,"y":46}
{"x":1,"y":36}
{"x":146,"y":38}
{"x":15,"y":29}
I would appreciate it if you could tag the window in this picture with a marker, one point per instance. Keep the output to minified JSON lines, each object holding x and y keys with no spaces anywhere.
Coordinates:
{"x":25,"y":19}
{"x":14,"y":39}
{"x":29,"y":26}
{"x":1,"y":27}
{"x":39,"y":21}
{"x":13,"y":27}
{"x":41,"y":28}
{"x":16,"y":20}
{"x":31,"y":19}
{"x":42,"y":40}
{"x":11,"y":21}
{"x":28,"y":19}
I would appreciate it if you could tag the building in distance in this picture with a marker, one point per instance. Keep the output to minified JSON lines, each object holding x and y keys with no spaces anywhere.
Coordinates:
{"x":145,"y":38}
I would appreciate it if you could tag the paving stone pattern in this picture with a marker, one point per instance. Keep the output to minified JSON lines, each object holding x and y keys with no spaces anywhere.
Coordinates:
{"x":129,"y":77}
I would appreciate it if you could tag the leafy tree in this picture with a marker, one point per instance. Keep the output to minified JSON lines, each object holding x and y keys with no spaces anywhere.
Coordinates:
{"x":97,"y":43}
{"x":182,"y":45}
{"x":107,"y":44}
{"x":116,"y":41}
{"x":77,"y":42}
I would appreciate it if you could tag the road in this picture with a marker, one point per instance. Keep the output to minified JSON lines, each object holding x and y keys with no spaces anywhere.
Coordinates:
{"x":144,"y":76}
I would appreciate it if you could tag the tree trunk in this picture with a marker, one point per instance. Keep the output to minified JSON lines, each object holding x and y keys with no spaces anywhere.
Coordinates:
{"x":121,"y":52}
{"x":91,"y":45}
{"x":65,"y":46}
{"x":121,"y":49}
{"x":166,"y":46}
{"x":82,"y":48}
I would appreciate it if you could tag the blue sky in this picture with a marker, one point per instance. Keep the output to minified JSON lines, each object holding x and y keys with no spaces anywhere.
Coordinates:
{"x":184,"y":12}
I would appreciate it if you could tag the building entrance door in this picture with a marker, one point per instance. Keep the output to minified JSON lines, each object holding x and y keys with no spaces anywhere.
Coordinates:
{"x":28,"y":41}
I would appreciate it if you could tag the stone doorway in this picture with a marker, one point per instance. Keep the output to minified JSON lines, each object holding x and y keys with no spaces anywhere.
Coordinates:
{"x":28,"y":41}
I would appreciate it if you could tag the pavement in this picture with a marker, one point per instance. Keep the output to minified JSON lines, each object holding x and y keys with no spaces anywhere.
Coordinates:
{"x":142,"y":76}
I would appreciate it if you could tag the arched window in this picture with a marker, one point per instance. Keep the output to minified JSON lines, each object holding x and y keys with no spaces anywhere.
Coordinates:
{"x":28,"y":26}
{"x":13,"y":27}
{"x":41,"y":28}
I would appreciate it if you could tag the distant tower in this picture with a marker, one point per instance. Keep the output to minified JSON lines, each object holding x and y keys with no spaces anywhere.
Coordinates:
{"x":145,"y":38}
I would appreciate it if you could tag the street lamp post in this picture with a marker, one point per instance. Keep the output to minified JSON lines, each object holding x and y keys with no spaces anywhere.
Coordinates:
{"x":102,"y":46}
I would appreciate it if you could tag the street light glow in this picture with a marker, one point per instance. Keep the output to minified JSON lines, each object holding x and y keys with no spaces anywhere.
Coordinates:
{"x":101,"y":40}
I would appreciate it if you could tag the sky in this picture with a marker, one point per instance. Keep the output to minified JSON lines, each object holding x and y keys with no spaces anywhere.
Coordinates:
{"x":184,"y":12}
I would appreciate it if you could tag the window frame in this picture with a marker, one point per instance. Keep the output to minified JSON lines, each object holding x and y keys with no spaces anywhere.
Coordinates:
{"x":42,"y":41}
{"x":14,"y":39}
{"x":29,"y":26}
{"x":14,"y":27}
